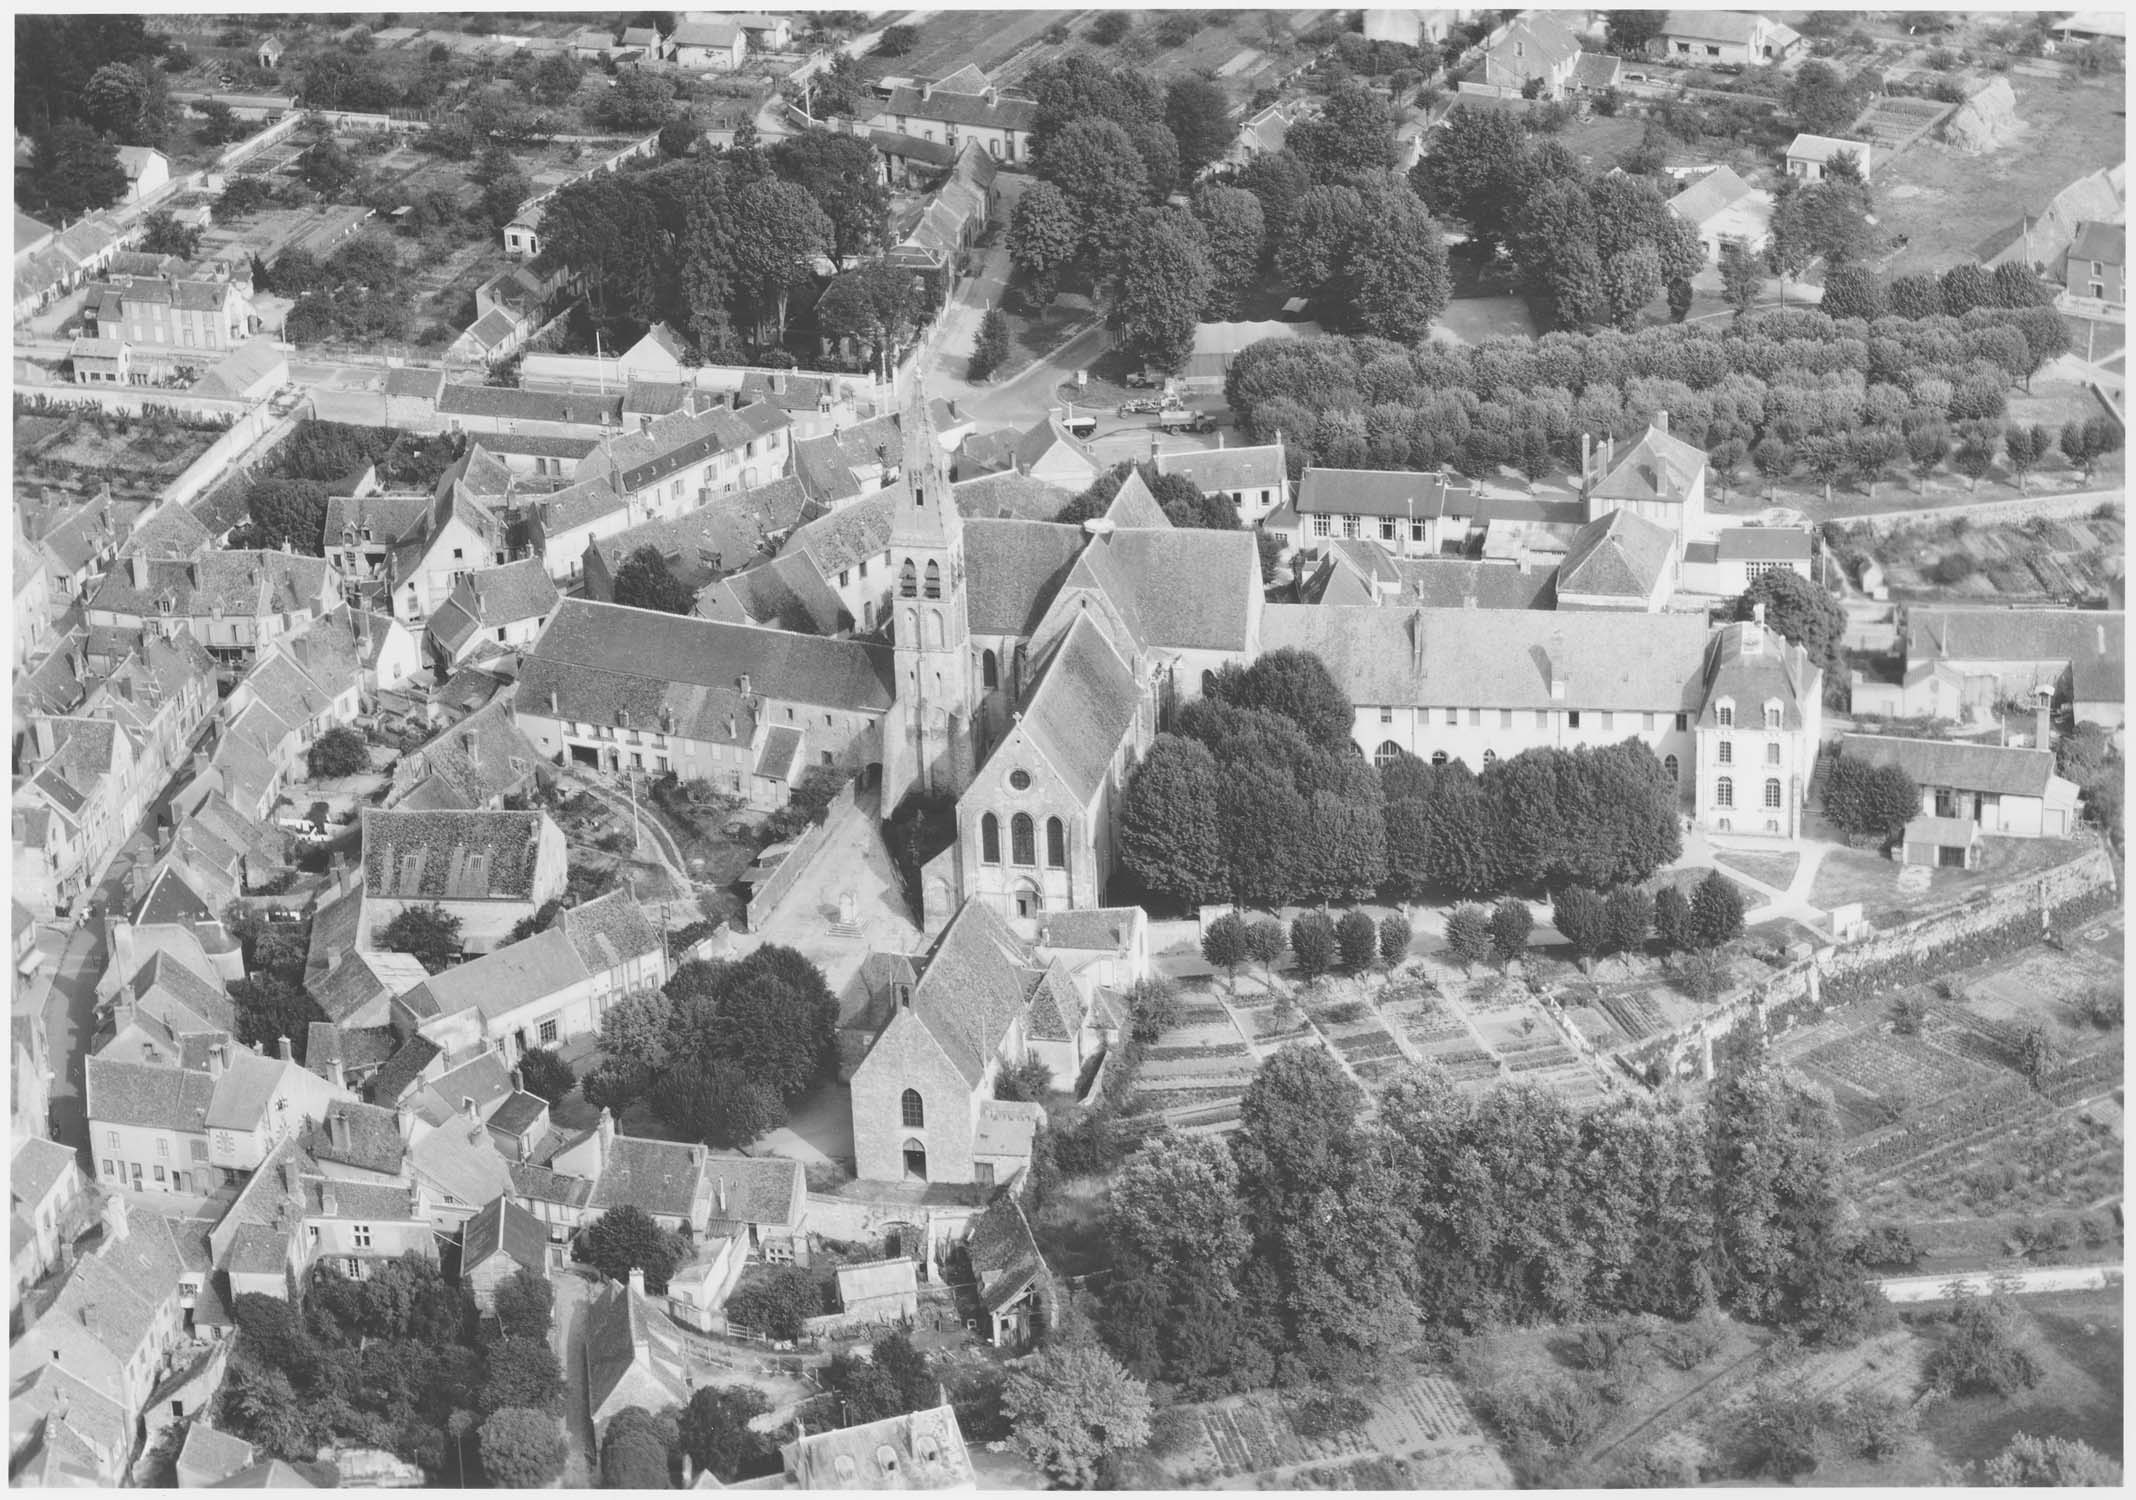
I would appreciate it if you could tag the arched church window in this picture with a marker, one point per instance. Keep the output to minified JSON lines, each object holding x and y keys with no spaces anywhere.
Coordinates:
{"x":989,"y":671}
{"x":934,"y":580}
{"x":908,"y":581}
{"x":1056,"y":844}
{"x":913,"y":1110}
{"x":934,"y":625}
{"x":1023,"y":840}
{"x":1387,"y":754}
{"x":990,"y":839}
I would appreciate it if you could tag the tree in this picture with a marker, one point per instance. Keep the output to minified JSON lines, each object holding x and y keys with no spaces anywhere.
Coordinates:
{"x":1869,"y":802}
{"x":164,"y":235}
{"x":544,"y":1073}
{"x":1297,"y":685}
{"x":73,"y":171}
{"x":839,"y":172}
{"x":1740,"y":274}
{"x":1357,"y":937}
{"x":504,"y":183}
{"x":1236,"y":228}
{"x":1629,"y":911}
{"x":1476,"y":163}
{"x":1313,"y":947}
{"x":991,"y":350}
{"x":1158,"y":307}
{"x":2036,"y":1054}
{"x":1394,"y":936}
{"x":430,"y":933}
{"x":1152,"y":1007}
{"x":634,"y":1451}
{"x":626,"y":1237}
{"x":896,"y":41}
{"x":259,"y":1404}
{"x":1823,"y":102}
{"x":1801,"y":613}
{"x":1716,"y":911}
{"x":893,"y":1379}
{"x":1927,"y":445}
{"x":1581,"y":918}
{"x":115,"y":101}
{"x":637,"y":1027}
{"x":770,"y":1013}
{"x":1043,"y":238}
{"x":1101,"y":176}
{"x":1198,"y":113}
{"x":716,"y":1101}
{"x":340,"y":751}
{"x":522,"y":1449}
{"x":1175,"y":1203}
{"x":1511,"y":922}
{"x":1224,"y":945}
{"x":270,"y":1008}
{"x":2037,"y":1463}
{"x":779,"y":234}
{"x":1073,"y":1407}
{"x":525,"y":1304}
{"x":1774,"y":459}
{"x":1168,"y":823}
{"x":1673,"y":925}
{"x":1265,"y":942}
{"x":327,"y":168}
{"x":1851,"y":291}
{"x":778,"y":1304}
{"x":2026,"y":448}
{"x":1631,"y":32}
{"x":1350,"y":137}
{"x":1987,"y":1350}
{"x":523,"y":1372}
{"x":1469,"y":939}
{"x":1398,"y":263}
{"x":557,"y":77}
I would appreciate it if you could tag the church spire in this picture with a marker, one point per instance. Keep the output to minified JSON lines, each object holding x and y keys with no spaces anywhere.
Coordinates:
{"x":924,"y":514}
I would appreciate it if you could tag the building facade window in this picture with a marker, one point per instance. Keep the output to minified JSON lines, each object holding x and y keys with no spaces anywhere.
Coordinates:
{"x":912,"y":1110}
{"x":1056,"y":844}
{"x":1724,"y":715}
{"x":1387,"y":754}
{"x":1772,"y":716}
{"x":1724,"y":793}
{"x":933,"y":587}
{"x":990,"y":839}
{"x":360,"y":1236}
{"x":1772,"y":753}
{"x":1023,"y":840}
{"x":1772,"y":791}
{"x":908,"y":580}
{"x":1727,"y":752}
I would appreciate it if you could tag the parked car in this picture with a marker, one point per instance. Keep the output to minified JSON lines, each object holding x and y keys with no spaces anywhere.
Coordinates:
{"x":1141,"y":406}
{"x":1140,"y":380}
{"x":1081,"y":427}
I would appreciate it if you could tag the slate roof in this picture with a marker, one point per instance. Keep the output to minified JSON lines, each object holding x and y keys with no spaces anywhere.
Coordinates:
{"x":789,"y":593}
{"x":627,"y":1335}
{"x":604,"y":659}
{"x":172,"y":900}
{"x":1004,"y":1254}
{"x":937,"y":154}
{"x":503,"y":1227}
{"x":511,"y":403}
{"x":541,"y":1185}
{"x":491,"y":597}
{"x":1739,"y":27}
{"x":1809,"y":147}
{"x":967,"y":110}
{"x":1710,"y":195}
{"x":1754,"y":665}
{"x":1013,"y":569}
{"x":1010,"y":496}
{"x":1450,"y":582}
{"x":212,"y":1454}
{"x":1045,"y":435}
{"x":661,"y":1177}
{"x":458,"y":855}
{"x":1383,"y":492}
{"x":174,"y":993}
{"x":1100,"y":929}
{"x":414,"y":381}
{"x":1133,"y":505}
{"x":1657,"y":467}
{"x":403,"y":1070}
{"x":374,"y":1138}
{"x":1141,"y":572}
{"x":1619,"y":555}
{"x":143,"y":1094}
{"x":848,"y":536}
{"x":1082,"y":707}
{"x":1999,"y":769}
{"x":1499,"y":658}
{"x":2107,"y":243}
{"x":484,"y":1078}
{"x":673,"y":443}
{"x":971,"y":987}
{"x":1228,"y":469}
{"x":354,"y":1047}
{"x":2018,"y":635}
{"x":519,"y":1113}
{"x":768,"y":1190}
{"x":926,"y":1448}
{"x":243,"y":584}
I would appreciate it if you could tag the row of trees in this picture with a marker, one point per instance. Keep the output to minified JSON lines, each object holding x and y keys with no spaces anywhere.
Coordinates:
{"x":1780,"y":390}
{"x":1260,"y":797}
{"x":1598,"y":924}
{"x":1453,"y":1211}
{"x":400,"y":1360}
{"x":722,"y":1048}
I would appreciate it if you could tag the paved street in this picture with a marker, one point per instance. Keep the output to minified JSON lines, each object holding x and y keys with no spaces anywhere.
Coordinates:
{"x":567,"y":1335}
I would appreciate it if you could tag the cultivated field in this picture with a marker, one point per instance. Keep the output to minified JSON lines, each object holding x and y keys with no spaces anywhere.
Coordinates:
{"x":1945,"y":202}
{"x":1420,"y":1435}
{"x":2037,"y":560}
{"x":988,"y":39}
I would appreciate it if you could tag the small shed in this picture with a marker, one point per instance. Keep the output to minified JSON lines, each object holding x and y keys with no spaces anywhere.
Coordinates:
{"x":270,"y":53}
{"x":503,"y":1237}
{"x":1942,"y":843}
{"x":879,"y":1291}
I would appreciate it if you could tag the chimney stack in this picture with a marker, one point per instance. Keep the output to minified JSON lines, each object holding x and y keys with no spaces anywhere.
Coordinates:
{"x":215,"y":1060}
{"x":137,"y":569}
{"x":2042,"y":717}
{"x":337,"y":1124}
{"x":605,"y":1129}
{"x":1661,"y":423}
{"x":283,"y":1050}
{"x":519,"y":1082}
{"x":1557,"y":670}
{"x":637,"y":1281}
{"x":289,"y":1177}
{"x":327,"y":1205}
{"x":467,"y":1108}
{"x":719,"y":1196}
{"x":114,"y":1216}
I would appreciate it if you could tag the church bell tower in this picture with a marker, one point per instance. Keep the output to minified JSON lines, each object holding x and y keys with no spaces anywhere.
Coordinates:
{"x":927,"y":735}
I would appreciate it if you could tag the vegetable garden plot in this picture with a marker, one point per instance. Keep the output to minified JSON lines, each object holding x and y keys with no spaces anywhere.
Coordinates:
{"x":1632,"y":1013}
{"x":1887,"y":1066}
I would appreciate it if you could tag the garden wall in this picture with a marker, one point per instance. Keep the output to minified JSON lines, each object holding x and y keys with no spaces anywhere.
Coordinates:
{"x":255,"y":426}
{"x":2073,"y":503}
{"x":765,"y":899}
{"x":865,"y":1222}
{"x":252,"y":145}
{"x":2020,"y":912}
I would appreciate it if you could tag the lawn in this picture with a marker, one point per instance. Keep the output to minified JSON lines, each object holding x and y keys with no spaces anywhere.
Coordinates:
{"x":1946,"y":202}
{"x":1600,"y":139}
{"x":1859,"y":875}
{"x":1775,"y":870}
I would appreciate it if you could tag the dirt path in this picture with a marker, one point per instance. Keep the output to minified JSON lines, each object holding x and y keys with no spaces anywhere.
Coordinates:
{"x":2018,"y":1283}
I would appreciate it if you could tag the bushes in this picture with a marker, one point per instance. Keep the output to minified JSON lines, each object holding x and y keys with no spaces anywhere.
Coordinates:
{"x":1358,"y":937}
{"x":1988,"y":1349}
{"x":777,"y":1303}
{"x":991,"y":351}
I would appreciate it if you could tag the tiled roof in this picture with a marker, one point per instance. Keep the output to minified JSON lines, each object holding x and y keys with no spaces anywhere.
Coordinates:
{"x":1383,"y":492}
{"x":1091,"y":929}
{"x":2016,"y":635}
{"x":768,"y":1190}
{"x":1755,"y":666}
{"x":1010,"y":496}
{"x":628,"y":1335}
{"x":609,"y":931}
{"x":541,"y":1185}
{"x":736,"y":529}
{"x":1824,"y":147}
{"x":1711,"y":194}
{"x":518,"y":1114}
{"x":862,"y":1281}
{"x":2107,"y":243}
{"x":354,"y":1047}
{"x":243,"y":584}
{"x":501,"y":981}
{"x":1499,"y":658}
{"x":788,"y":592}
{"x":504,"y":1227}
{"x":416,"y":381}
{"x":493,"y":597}
{"x":1215,"y":470}
{"x":1763,"y":544}
{"x":1045,"y":435}
{"x":1082,"y":707}
{"x":511,"y":403}
{"x":1013,"y":569}
{"x":461,"y":855}
{"x":849,"y":535}
{"x":1739,"y":27}
{"x":1449,"y":583}
{"x":403,"y":1070}
{"x":1004,"y":1254}
{"x":934,"y":153}
{"x":372,"y":1132}
{"x":1056,"y":1013}
{"x":675,"y":442}
{"x":971,"y":987}
{"x":157,"y":1098}
{"x":36,"y":1169}
{"x":1141,"y":570}
{"x":1620,"y":555}
{"x":388,"y":518}
{"x":182,"y":999}
{"x":212,"y":1454}
{"x":966,"y":110}
{"x":661,"y":1177}
{"x":926,"y":1448}
{"x":1999,"y":769}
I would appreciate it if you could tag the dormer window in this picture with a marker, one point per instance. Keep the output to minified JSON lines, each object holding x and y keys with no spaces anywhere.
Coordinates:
{"x":1772,"y":715}
{"x":1724,"y":713}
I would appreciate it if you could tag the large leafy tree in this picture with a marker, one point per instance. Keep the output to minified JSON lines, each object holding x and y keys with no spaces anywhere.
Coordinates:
{"x":115,"y":101}
{"x":1236,"y":228}
{"x":1803,"y":614}
{"x":1476,"y":172}
{"x":1630,"y":31}
{"x":1351,"y":136}
{"x":839,"y":172}
{"x":1198,"y":113}
{"x":73,"y":171}
{"x":430,"y":933}
{"x":893,"y":1380}
{"x":522,"y":1449}
{"x":1073,"y":1407}
{"x":644,"y":582}
{"x":626,"y":1237}
{"x":714,"y":1430}
{"x":635,"y":1450}
{"x":1175,"y":1203}
{"x":522,"y":1372}
{"x":717,"y":1101}
{"x":1158,"y":306}
{"x":1823,"y":100}
{"x":1298,"y":686}
{"x":1102,"y":177}
{"x":269,"y":1008}
{"x":525,"y":1304}
{"x":1043,"y":238}
{"x":1399,"y":265}
{"x":770,"y":1013}
{"x":779,"y":234}
{"x":1169,"y":833}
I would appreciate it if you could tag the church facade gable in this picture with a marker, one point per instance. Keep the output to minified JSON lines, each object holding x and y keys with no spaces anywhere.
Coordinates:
{"x":913,"y":1110}
{"x":1026,"y":842}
